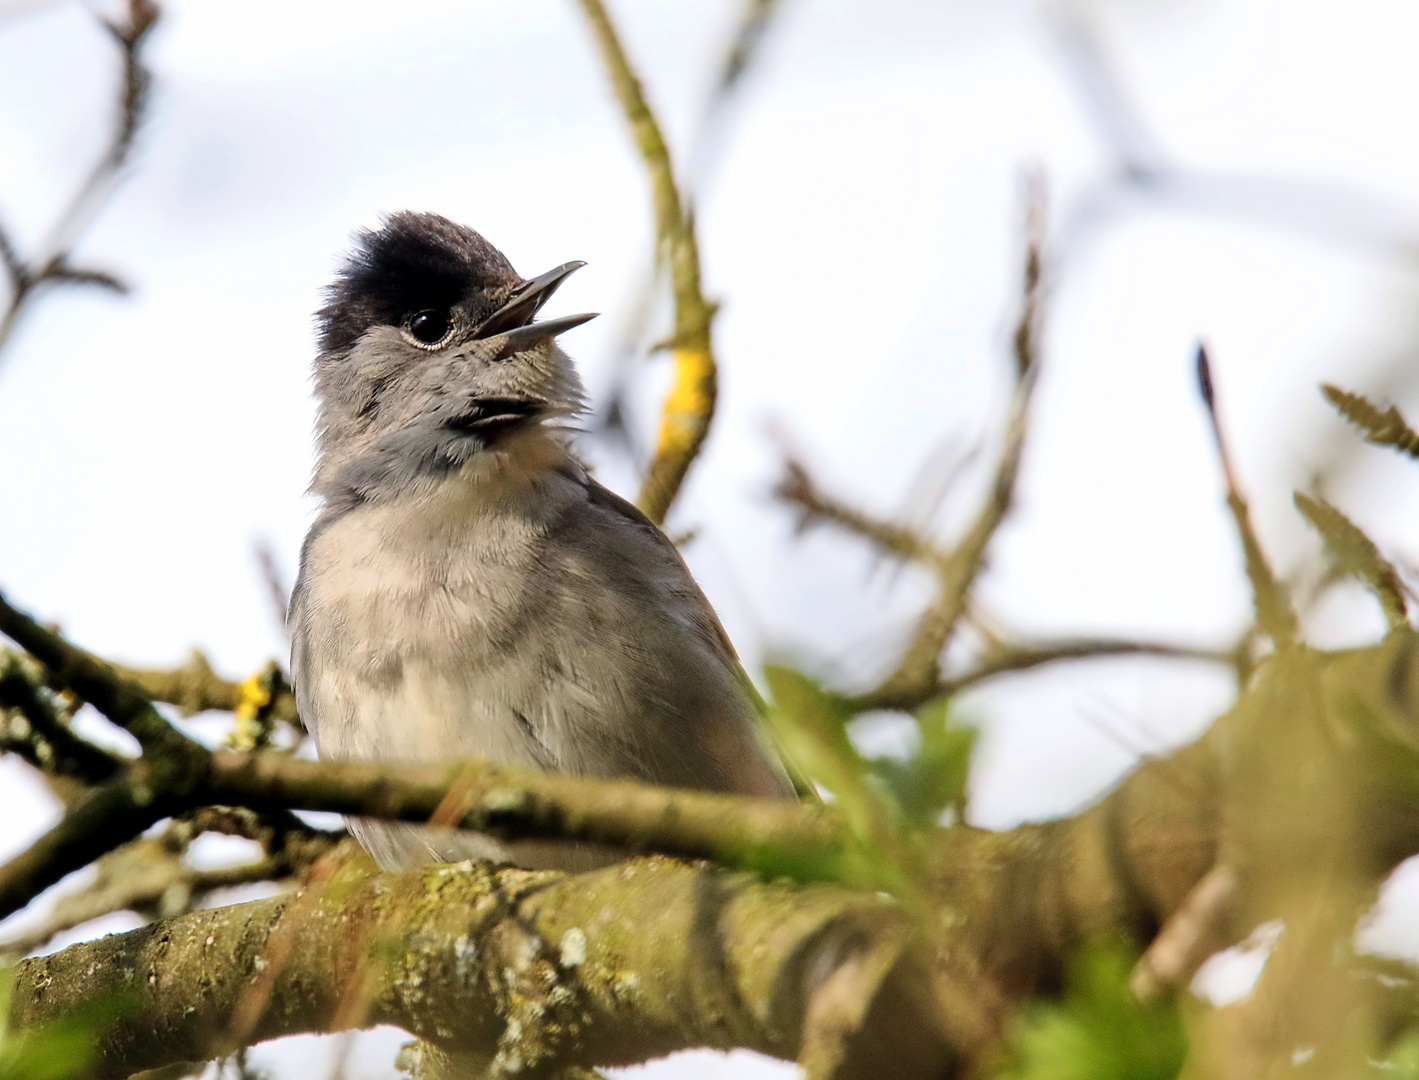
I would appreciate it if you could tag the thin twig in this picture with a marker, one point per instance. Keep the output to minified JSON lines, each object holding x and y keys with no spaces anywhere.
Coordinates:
{"x":119,"y":699}
{"x":920,"y":666}
{"x":690,"y":405}
{"x":47,"y":742}
{"x":50,"y":265}
{"x":1194,"y":932}
{"x":1013,"y":659}
{"x":1017,"y":658}
{"x":798,"y":489}
{"x":1274,"y":611}
{"x":195,"y":687}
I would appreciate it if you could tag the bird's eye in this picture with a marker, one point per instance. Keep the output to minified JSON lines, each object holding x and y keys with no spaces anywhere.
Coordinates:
{"x":429,"y":327}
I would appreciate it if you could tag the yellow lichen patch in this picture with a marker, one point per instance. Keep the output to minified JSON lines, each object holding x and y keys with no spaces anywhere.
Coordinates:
{"x":690,"y":404}
{"x":255,"y":696}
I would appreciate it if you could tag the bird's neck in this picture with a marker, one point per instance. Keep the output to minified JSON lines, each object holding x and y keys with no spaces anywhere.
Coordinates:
{"x":515,"y":461}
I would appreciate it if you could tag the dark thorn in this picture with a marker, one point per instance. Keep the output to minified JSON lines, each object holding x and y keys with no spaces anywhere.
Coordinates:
{"x":1204,"y":379}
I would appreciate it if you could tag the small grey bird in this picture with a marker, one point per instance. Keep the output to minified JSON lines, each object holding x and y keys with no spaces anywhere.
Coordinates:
{"x":467,"y":589}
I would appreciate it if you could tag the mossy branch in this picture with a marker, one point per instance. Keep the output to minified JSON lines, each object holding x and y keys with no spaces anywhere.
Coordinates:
{"x":512,"y":968}
{"x":689,"y":408}
{"x":176,"y":774}
{"x":195,"y":687}
{"x":517,"y":973}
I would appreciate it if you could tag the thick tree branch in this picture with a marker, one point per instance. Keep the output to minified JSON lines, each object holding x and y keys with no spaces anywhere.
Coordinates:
{"x":1006,"y":909}
{"x":523,"y":972}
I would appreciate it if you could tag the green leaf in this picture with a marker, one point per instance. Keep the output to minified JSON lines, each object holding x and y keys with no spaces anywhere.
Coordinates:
{"x":811,"y":726}
{"x":935,"y":778}
{"x":1100,"y":1031}
{"x":1402,"y":1063}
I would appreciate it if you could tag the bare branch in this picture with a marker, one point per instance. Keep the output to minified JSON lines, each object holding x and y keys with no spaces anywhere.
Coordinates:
{"x":690,"y":406}
{"x":177,"y":774}
{"x":781,"y":837}
{"x":51,"y":264}
{"x":116,"y":697}
{"x":1274,"y":611}
{"x":1194,"y":932}
{"x":798,"y":489}
{"x":48,"y":743}
{"x":920,"y":666}
{"x":1009,"y":659}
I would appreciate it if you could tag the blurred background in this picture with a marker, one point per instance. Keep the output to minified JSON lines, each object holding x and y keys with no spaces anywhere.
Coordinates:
{"x":1238,"y":172}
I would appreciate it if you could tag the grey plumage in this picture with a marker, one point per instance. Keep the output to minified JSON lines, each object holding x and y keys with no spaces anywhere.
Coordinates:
{"x":468,"y":589}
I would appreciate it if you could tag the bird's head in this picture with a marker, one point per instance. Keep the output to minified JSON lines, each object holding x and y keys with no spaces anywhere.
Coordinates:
{"x":430,"y":353}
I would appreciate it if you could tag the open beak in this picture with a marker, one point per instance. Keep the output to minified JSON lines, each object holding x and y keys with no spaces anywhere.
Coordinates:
{"x":513,"y":320}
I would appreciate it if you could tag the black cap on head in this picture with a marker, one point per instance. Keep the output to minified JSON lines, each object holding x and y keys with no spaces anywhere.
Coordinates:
{"x":415,"y":262}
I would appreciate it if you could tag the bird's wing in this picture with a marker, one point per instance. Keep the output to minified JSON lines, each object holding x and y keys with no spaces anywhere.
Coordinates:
{"x":606,"y":500}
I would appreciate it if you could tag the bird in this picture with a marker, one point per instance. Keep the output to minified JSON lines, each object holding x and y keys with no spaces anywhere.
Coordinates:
{"x":468,"y":589}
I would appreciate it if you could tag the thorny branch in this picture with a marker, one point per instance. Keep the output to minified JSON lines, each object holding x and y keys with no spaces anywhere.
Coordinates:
{"x":690,"y":406}
{"x":917,"y":676}
{"x":50,"y":264}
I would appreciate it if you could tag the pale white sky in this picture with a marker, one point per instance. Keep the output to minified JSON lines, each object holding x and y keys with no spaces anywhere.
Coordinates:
{"x":861,"y":229}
